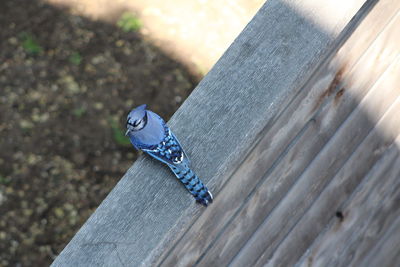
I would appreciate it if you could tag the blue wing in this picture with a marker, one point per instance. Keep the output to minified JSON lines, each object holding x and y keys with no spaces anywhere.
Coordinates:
{"x":186,"y":158}
{"x":169,"y":151}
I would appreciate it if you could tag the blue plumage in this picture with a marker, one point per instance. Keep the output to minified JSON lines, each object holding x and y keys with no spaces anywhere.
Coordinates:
{"x":149,"y":133}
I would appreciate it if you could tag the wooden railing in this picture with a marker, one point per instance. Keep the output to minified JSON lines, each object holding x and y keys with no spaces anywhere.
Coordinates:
{"x":269,"y":129}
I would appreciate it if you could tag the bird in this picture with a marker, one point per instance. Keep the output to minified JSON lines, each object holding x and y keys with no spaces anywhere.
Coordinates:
{"x":148,"y":132}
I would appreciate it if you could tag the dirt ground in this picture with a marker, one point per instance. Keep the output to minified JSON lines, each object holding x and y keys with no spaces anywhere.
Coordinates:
{"x":196,"y":32}
{"x":66,"y":85}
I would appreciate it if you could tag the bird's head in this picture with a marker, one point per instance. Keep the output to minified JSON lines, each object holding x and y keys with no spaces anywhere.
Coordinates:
{"x":137,"y":119}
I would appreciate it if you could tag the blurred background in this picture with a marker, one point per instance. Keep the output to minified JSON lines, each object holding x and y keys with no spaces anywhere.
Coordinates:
{"x":70,"y":71}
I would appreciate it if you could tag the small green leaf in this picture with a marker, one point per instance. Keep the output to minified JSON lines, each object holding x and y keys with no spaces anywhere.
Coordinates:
{"x":4,"y":180}
{"x":29,"y":44}
{"x":75,"y":58}
{"x":129,"y":22}
{"x":78,"y":112}
{"x":119,"y":134}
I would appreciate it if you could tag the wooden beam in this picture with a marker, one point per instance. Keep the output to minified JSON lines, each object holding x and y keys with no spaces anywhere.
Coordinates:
{"x":289,"y":145}
{"x":309,"y":184}
{"x":386,"y":250}
{"x":368,"y":216}
{"x":330,"y":201}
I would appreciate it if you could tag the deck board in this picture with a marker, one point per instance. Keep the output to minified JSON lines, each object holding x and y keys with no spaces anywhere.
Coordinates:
{"x":385,"y":252}
{"x":274,"y":141}
{"x":367,"y":216}
{"x":372,"y":153}
{"x":193,"y":246}
{"x":281,"y":218}
{"x":307,"y":143}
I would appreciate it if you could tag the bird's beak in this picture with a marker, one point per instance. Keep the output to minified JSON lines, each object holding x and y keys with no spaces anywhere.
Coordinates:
{"x":127,"y":132}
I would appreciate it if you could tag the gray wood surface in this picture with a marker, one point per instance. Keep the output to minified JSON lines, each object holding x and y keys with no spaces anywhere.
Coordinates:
{"x":302,"y":193}
{"x":267,"y":129}
{"x":305,"y":142}
{"x":330,"y":200}
{"x":316,"y":174}
{"x":385,"y":251}
{"x":368,"y":215}
{"x":194,"y":248}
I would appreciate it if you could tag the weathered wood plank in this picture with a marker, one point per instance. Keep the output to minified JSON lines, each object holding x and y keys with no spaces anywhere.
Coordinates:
{"x":148,"y":210}
{"x":386,"y":251}
{"x":261,"y":158}
{"x":322,"y":168}
{"x":368,"y":30}
{"x":367,"y":216}
{"x":313,"y":138}
{"x":335,"y":194}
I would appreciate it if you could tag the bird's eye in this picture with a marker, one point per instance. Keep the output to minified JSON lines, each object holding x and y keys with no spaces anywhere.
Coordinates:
{"x":136,"y":123}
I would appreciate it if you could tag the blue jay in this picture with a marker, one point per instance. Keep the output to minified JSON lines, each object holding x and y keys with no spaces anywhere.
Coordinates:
{"x":148,"y":132}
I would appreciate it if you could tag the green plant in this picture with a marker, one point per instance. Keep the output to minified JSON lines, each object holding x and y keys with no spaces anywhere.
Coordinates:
{"x":78,"y":112}
{"x":119,"y":134}
{"x":4,"y":180}
{"x":129,"y":22}
{"x":29,"y":44}
{"x":75,"y":58}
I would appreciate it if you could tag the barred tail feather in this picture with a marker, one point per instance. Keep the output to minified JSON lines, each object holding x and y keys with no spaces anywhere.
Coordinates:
{"x":193,"y":184}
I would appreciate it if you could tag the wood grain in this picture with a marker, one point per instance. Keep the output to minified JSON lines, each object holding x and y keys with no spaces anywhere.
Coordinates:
{"x":335,"y":194}
{"x":386,"y":249}
{"x":323,"y":167}
{"x":274,"y":140}
{"x":331,"y":111}
{"x":367,"y":216}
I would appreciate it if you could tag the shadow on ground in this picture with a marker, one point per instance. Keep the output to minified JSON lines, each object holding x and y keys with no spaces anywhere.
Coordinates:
{"x":66,"y":85}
